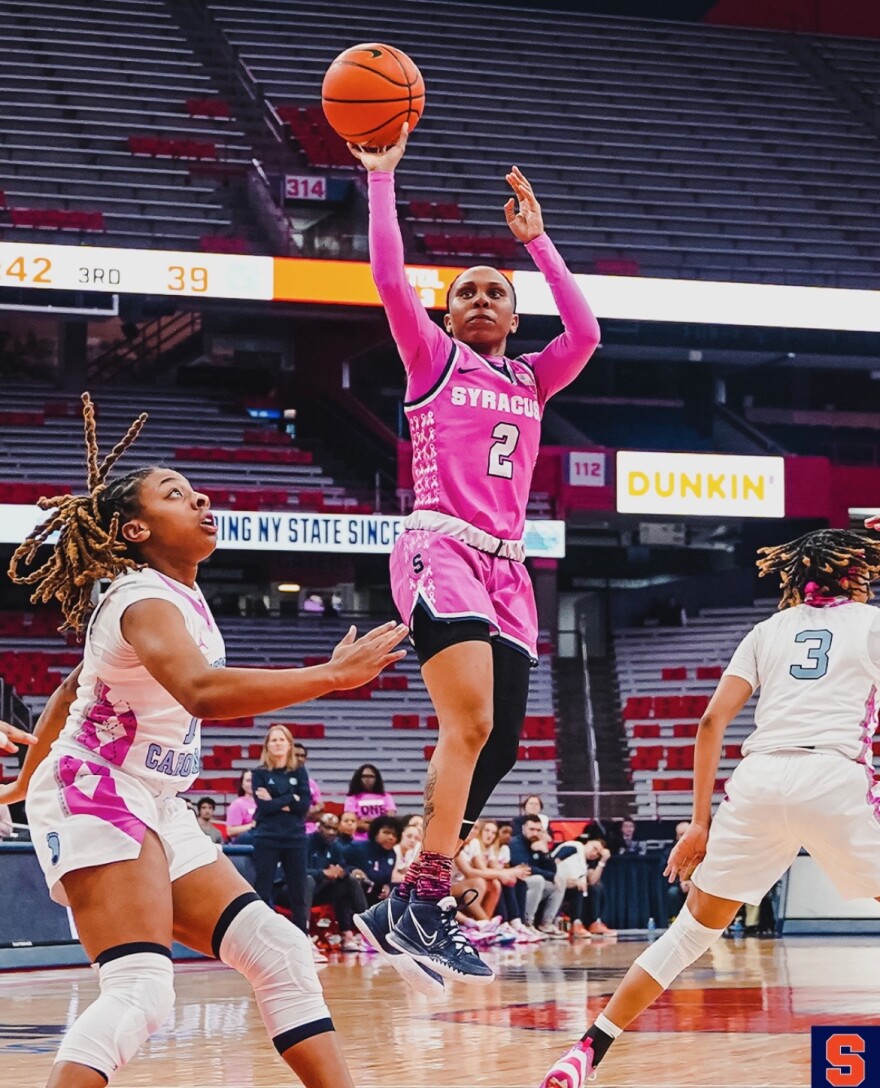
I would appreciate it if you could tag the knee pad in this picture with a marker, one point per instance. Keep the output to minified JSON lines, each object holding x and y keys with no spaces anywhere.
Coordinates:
{"x":137,"y":996}
{"x":680,"y":946}
{"x":276,"y":959}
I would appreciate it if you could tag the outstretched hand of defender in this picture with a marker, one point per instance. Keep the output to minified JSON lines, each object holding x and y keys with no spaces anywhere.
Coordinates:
{"x":356,"y":661}
{"x":687,"y":853}
{"x":10,"y":738}
{"x":381,"y":158}
{"x":526,"y":222}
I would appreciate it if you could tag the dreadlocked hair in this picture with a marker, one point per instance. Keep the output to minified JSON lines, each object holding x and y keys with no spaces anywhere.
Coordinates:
{"x":88,"y":546}
{"x":838,"y":561}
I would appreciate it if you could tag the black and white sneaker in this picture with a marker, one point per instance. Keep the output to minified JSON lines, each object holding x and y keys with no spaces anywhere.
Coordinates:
{"x":375,"y":924}
{"x":429,"y":932}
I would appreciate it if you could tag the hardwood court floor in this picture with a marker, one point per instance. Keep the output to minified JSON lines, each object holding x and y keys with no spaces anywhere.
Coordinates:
{"x":742,"y":1016}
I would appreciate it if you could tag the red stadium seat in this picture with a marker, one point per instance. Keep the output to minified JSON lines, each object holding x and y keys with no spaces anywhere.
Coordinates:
{"x":405,"y":721}
{"x":680,"y":758}
{"x":639,"y":706}
{"x":646,"y":731}
{"x":208,"y":107}
{"x":679,"y":672}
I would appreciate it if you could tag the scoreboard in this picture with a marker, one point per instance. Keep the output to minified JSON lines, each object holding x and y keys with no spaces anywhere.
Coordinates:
{"x":135,"y":271}
{"x":181,"y":274}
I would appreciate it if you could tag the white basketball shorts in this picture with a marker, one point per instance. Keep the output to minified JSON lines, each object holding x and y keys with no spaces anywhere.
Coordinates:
{"x":83,"y":812}
{"x":778,"y":802}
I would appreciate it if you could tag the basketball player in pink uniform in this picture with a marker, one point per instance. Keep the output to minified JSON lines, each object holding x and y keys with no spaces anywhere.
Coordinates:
{"x":115,"y":840}
{"x":457,"y":573}
{"x":805,"y":780}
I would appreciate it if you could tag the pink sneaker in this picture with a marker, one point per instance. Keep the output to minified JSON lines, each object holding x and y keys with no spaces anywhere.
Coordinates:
{"x":573,"y":1069}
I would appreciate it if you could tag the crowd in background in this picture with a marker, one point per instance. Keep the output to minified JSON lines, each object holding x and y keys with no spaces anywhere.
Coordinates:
{"x":514,"y":884}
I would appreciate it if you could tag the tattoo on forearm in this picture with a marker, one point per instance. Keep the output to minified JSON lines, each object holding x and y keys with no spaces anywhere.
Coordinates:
{"x":430,"y":785}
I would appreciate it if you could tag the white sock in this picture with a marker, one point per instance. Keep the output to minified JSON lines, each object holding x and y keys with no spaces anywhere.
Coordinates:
{"x":604,"y":1024}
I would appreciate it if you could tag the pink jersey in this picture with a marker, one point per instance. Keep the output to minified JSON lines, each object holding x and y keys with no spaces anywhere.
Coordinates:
{"x":241,"y":811}
{"x":367,"y":806}
{"x":475,"y":420}
{"x":122,"y":716}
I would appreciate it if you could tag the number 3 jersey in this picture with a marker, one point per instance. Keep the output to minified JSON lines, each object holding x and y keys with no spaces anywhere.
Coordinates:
{"x":475,"y":420}
{"x":818,"y":669}
{"x":122,"y":715}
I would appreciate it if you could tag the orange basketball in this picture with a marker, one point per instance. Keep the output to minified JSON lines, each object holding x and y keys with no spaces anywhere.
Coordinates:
{"x":369,"y":93}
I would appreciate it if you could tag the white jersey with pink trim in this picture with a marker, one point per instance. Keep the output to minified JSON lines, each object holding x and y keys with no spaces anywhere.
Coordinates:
{"x":475,"y":439}
{"x":122,"y":716}
{"x":818,"y":669}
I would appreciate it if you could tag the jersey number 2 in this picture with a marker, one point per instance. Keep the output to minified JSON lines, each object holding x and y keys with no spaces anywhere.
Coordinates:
{"x":506,"y":437}
{"x":817,"y":655}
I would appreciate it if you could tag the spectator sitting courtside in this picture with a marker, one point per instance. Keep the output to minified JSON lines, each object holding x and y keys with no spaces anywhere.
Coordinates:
{"x":241,"y":815}
{"x":333,"y":882}
{"x":205,"y":810}
{"x":530,"y":848}
{"x":372,"y":862}
{"x":367,"y":798}
{"x":347,"y":828}
{"x":317,"y":806}
{"x":531,"y":806}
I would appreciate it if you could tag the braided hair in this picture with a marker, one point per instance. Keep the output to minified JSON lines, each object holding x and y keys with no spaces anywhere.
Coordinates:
{"x":828,"y":562}
{"x":88,"y":547}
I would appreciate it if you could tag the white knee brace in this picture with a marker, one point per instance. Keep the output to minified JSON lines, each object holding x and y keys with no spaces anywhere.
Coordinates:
{"x":276,"y":959}
{"x":137,"y":996}
{"x":680,"y":946}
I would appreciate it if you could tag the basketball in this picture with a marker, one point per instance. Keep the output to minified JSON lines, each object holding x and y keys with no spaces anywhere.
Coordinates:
{"x":370,"y":92}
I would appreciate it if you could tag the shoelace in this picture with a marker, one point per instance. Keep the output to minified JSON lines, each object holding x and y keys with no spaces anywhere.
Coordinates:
{"x":459,"y":940}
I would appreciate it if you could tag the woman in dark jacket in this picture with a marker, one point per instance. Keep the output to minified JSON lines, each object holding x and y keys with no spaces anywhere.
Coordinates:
{"x":281,"y":789}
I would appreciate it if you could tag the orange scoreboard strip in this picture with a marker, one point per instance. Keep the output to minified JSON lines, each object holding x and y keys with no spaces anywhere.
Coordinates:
{"x":350,"y":283}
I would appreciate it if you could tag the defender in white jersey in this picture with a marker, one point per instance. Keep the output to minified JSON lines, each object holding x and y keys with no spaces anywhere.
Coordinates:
{"x":119,"y":741}
{"x":806,"y":779}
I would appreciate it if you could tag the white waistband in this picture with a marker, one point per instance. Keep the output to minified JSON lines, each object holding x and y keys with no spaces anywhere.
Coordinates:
{"x":435,"y":522}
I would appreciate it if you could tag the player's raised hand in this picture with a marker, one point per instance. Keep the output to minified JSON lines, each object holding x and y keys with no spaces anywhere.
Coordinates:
{"x":526,"y":222}
{"x":381,"y":158}
{"x":356,"y":661}
{"x":10,"y":737}
{"x":873,"y":522}
{"x":687,"y":853}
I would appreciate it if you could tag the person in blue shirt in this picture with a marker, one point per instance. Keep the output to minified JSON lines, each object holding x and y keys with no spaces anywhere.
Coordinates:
{"x":372,"y":862}
{"x":332,"y":880}
{"x":281,"y":789}
{"x":530,"y":848}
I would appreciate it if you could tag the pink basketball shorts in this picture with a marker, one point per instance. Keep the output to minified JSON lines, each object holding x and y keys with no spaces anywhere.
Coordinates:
{"x":457,"y":582}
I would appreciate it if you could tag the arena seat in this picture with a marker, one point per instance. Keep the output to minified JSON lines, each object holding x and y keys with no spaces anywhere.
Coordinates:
{"x":696,"y":170}
{"x":662,"y":748}
{"x":86,"y":78}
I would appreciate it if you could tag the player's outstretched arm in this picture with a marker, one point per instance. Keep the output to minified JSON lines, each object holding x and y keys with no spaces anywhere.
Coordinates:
{"x":49,"y":725}
{"x":156,"y":631}
{"x":731,"y":695}
{"x":421,"y":343}
{"x":566,"y":356}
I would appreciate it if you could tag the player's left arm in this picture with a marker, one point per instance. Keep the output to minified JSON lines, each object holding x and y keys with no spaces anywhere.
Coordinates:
{"x":565,"y":357}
